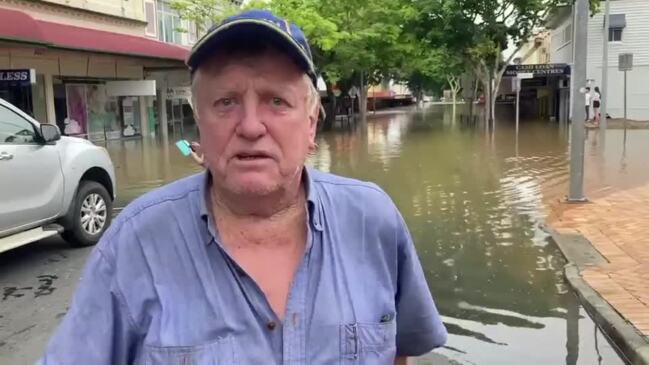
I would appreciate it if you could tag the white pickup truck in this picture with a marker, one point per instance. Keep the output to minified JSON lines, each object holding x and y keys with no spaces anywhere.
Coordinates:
{"x":50,"y":184}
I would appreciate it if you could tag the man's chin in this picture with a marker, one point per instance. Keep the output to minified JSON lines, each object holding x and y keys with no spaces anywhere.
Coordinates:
{"x":252,"y":186}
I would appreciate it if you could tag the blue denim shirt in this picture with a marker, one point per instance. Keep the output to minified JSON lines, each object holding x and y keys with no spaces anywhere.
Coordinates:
{"x":160,"y":288}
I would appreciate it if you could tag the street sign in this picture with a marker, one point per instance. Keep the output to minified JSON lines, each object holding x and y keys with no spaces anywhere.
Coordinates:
{"x":626,"y":62}
{"x":525,"y":75}
{"x":22,"y":77}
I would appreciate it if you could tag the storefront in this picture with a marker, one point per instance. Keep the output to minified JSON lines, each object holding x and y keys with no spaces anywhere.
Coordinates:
{"x":93,"y":86}
{"x":545,"y":95}
{"x":103,"y":109}
{"x":175,"y":113}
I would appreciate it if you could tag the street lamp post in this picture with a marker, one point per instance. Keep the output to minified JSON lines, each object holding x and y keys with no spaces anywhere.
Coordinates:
{"x":576,"y":192}
{"x":604,"y":98}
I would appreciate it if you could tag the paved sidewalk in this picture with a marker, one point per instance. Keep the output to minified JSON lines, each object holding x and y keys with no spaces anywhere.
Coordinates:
{"x":617,"y":225}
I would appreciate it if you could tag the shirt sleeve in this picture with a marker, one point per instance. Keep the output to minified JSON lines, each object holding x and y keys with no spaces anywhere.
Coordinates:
{"x":97,"y":328}
{"x":419,"y":326}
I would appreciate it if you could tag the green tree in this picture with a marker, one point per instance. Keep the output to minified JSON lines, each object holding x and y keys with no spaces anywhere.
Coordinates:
{"x":351,"y":39}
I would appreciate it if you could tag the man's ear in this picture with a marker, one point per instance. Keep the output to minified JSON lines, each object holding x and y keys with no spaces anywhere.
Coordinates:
{"x":314,"y":118}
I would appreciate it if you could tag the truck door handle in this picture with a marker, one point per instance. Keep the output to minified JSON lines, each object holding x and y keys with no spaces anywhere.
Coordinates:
{"x":6,"y":156}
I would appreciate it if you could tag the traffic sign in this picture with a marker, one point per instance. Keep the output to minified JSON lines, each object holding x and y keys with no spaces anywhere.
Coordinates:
{"x":626,"y":62}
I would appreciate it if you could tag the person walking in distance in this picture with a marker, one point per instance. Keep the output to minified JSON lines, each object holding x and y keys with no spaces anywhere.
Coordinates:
{"x":597,"y":101}
{"x":588,"y":98}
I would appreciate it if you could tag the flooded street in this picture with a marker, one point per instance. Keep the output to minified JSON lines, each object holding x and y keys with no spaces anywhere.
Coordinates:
{"x":475,"y":202}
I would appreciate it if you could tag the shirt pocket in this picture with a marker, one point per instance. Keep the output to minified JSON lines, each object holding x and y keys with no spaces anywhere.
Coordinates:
{"x":219,"y":352}
{"x":368,"y":343}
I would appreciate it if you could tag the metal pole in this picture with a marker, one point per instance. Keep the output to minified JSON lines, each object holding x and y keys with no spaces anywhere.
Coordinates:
{"x":576,"y":192}
{"x":625,"y":115}
{"x":518,"y":103}
{"x":604,"y":99}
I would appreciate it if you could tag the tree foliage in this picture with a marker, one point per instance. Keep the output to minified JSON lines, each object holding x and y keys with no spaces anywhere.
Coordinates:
{"x":422,"y":42}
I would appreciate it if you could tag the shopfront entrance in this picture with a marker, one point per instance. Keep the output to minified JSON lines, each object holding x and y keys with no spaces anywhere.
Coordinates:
{"x":546,"y":94}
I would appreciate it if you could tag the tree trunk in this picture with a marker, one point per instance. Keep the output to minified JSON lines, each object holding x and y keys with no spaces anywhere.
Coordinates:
{"x":492,"y":107}
{"x":473,"y":96}
{"x":476,"y":84}
{"x":489,"y":103}
{"x":330,"y":120}
{"x":362,"y":105}
{"x":498,"y":78}
{"x":419,"y":95}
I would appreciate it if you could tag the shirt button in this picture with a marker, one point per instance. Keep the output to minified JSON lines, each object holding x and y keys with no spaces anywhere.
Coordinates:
{"x":271,"y":325}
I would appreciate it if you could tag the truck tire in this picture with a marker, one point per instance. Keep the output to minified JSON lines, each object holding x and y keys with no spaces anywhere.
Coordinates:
{"x":90,"y":216}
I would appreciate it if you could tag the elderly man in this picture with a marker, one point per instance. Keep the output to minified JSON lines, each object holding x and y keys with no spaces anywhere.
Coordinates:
{"x":258,"y":260}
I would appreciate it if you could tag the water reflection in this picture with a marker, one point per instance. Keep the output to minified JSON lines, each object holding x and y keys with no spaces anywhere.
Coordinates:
{"x":475,"y":203}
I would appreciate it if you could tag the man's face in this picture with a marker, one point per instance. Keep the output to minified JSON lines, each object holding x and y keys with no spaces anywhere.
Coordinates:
{"x":256,"y":121}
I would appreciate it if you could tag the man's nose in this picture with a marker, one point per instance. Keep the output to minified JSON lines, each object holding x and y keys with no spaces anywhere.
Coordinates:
{"x":251,"y":125}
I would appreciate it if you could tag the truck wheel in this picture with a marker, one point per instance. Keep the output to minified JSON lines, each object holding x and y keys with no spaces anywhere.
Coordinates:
{"x":91,"y":214}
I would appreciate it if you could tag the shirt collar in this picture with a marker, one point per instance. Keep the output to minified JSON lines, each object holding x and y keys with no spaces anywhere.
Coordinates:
{"x":314,"y":211}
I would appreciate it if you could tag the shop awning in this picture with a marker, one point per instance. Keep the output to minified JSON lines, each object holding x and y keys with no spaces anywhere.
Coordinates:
{"x":18,"y":26}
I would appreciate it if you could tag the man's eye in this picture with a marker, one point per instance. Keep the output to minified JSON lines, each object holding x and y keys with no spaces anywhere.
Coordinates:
{"x":278,"y":101}
{"x":224,"y":102}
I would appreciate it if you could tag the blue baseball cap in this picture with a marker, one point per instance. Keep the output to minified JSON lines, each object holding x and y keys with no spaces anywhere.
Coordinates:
{"x":255,"y":24}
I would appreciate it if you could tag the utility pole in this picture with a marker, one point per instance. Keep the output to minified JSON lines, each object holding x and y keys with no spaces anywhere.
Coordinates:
{"x":604,"y":99}
{"x":576,"y":192}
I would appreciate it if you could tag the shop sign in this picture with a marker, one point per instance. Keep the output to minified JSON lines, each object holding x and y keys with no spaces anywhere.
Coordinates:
{"x":131,"y":88}
{"x":22,"y":77}
{"x":179,"y":92}
{"x":550,"y":69}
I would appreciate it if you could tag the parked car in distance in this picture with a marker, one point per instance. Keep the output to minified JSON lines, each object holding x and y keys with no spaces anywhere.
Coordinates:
{"x":50,"y":184}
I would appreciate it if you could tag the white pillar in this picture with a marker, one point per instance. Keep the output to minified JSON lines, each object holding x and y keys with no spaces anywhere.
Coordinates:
{"x":49,"y":99}
{"x":144,"y":117}
{"x":604,"y":97}
{"x":576,"y":191}
{"x":162,"y":109}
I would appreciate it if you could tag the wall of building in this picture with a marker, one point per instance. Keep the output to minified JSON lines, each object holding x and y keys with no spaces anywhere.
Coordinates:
{"x":561,"y":42}
{"x":634,"y":40}
{"x":73,"y":64}
{"x":132,"y":23}
{"x":132,"y":9}
{"x":536,"y":51}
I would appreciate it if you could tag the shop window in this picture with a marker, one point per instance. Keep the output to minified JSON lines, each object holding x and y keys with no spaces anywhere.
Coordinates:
{"x":150,"y":13}
{"x":14,"y":129}
{"x":616,"y":27}
{"x":615,"y":34}
{"x":91,"y":113}
{"x":191,"y":32}
{"x":567,"y":34}
{"x":169,"y":23}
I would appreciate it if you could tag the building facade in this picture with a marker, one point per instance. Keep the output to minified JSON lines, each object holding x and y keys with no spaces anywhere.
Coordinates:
{"x":628,"y":33}
{"x":99,"y":69}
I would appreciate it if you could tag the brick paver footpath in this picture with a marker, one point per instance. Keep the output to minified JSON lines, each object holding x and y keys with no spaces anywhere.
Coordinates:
{"x":617,"y":225}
